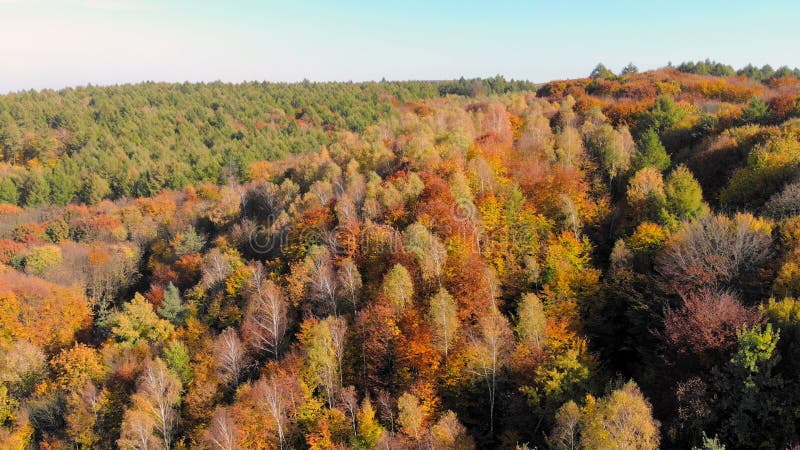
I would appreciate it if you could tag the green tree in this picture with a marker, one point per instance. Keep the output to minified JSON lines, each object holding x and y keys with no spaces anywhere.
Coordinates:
{"x":661,"y":117}
{"x":172,"y":307}
{"x":710,"y":444}
{"x":629,"y":69}
{"x":95,"y":189}
{"x":684,"y":194}
{"x":62,"y":185}
{"x":8,"y":191}
{"x":651,"y":152}
{"x":176,"y":355}
{"x":600,"y":71}
{"x":41,"y":259}
{"x":752,"y":401}
{"x":189,"y":242}
{"x":10,"y":139}
{"x":57,"y":231}
{"x":35,"y":189}
{"x":757,"y":112}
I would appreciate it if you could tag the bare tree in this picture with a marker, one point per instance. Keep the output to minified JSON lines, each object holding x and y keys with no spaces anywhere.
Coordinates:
{"x":714,"y":252}
{"x":531,"y":322}
{"x":443,"y":316}
{"x":411,"y":416}
{"x":350,"y":281}
{"x":704,"y":330}
{"x":221,"y":432}
{"x":154,"y":407}
{"x":448,"y":432}
{"x":323,"y":280}
{"x":137,"y":431}
{"x":489,"y":347}
{"x":230,"y":355}
{"x":566,"y":433}
{"x":216,"y":267}
{"x":278,"y":394}
{"x":349,"y":401}
{"x":386,"y":408}
{"x":266,"y":317}
{"x":338,"y":330}
{"x":430,"y":253}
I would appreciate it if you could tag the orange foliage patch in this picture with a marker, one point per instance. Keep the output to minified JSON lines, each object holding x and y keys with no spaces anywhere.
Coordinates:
{"x":159,"y":206}
{"x":46,"y":314}
{"x":9,"y":249}
{"x":7,"y":209}
{"x":260,"y":170}
{"x":624,"y":111}
{"x":727,"y":89}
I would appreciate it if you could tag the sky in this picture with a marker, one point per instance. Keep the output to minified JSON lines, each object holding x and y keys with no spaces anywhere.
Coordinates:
{"x":61,"y":43}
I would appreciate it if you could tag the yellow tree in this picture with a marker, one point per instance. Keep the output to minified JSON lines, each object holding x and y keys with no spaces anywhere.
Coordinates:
{"x":137,"y":322}
{"x":398,"y":287}
{"x":531,"y":322}
{"x":622,"y":420}
{"x":449,"y":433}
{"x":323,"y":342}
{"x":411,"y":415}
{"x":430,"y":254}
{"x":443,"y":317}
{"x":369,"y":429}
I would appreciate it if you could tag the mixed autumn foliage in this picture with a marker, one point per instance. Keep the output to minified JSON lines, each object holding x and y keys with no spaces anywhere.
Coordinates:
{"x":609,"y":262}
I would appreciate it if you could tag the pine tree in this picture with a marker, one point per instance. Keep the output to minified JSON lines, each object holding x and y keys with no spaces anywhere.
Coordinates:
{"x":651,"y":152}
{"x":172,"y":309}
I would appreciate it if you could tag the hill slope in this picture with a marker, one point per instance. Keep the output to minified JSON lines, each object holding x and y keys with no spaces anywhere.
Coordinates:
{"x":597,"y":262}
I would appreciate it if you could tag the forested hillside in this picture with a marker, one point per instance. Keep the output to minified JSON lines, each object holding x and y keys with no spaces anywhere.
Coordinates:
{"x":602,"y":263}
{"x":90,"y":143}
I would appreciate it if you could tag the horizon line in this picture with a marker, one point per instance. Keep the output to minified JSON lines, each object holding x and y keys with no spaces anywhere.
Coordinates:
{"x":87,"y":85}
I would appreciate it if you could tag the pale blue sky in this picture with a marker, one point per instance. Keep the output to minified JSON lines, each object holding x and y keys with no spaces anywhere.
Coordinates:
{"x":57,"y":43}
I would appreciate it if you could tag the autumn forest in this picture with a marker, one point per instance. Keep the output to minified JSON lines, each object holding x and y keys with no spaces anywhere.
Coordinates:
{"x":611,"y":262}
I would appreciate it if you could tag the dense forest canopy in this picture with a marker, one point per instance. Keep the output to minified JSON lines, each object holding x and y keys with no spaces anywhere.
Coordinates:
{"x":90,"y":143}
{"x":600,"y":263}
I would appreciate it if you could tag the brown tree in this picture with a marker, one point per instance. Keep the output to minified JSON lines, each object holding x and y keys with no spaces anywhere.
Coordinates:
{"x":702,"y":331}
{"x":714,"y":251}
